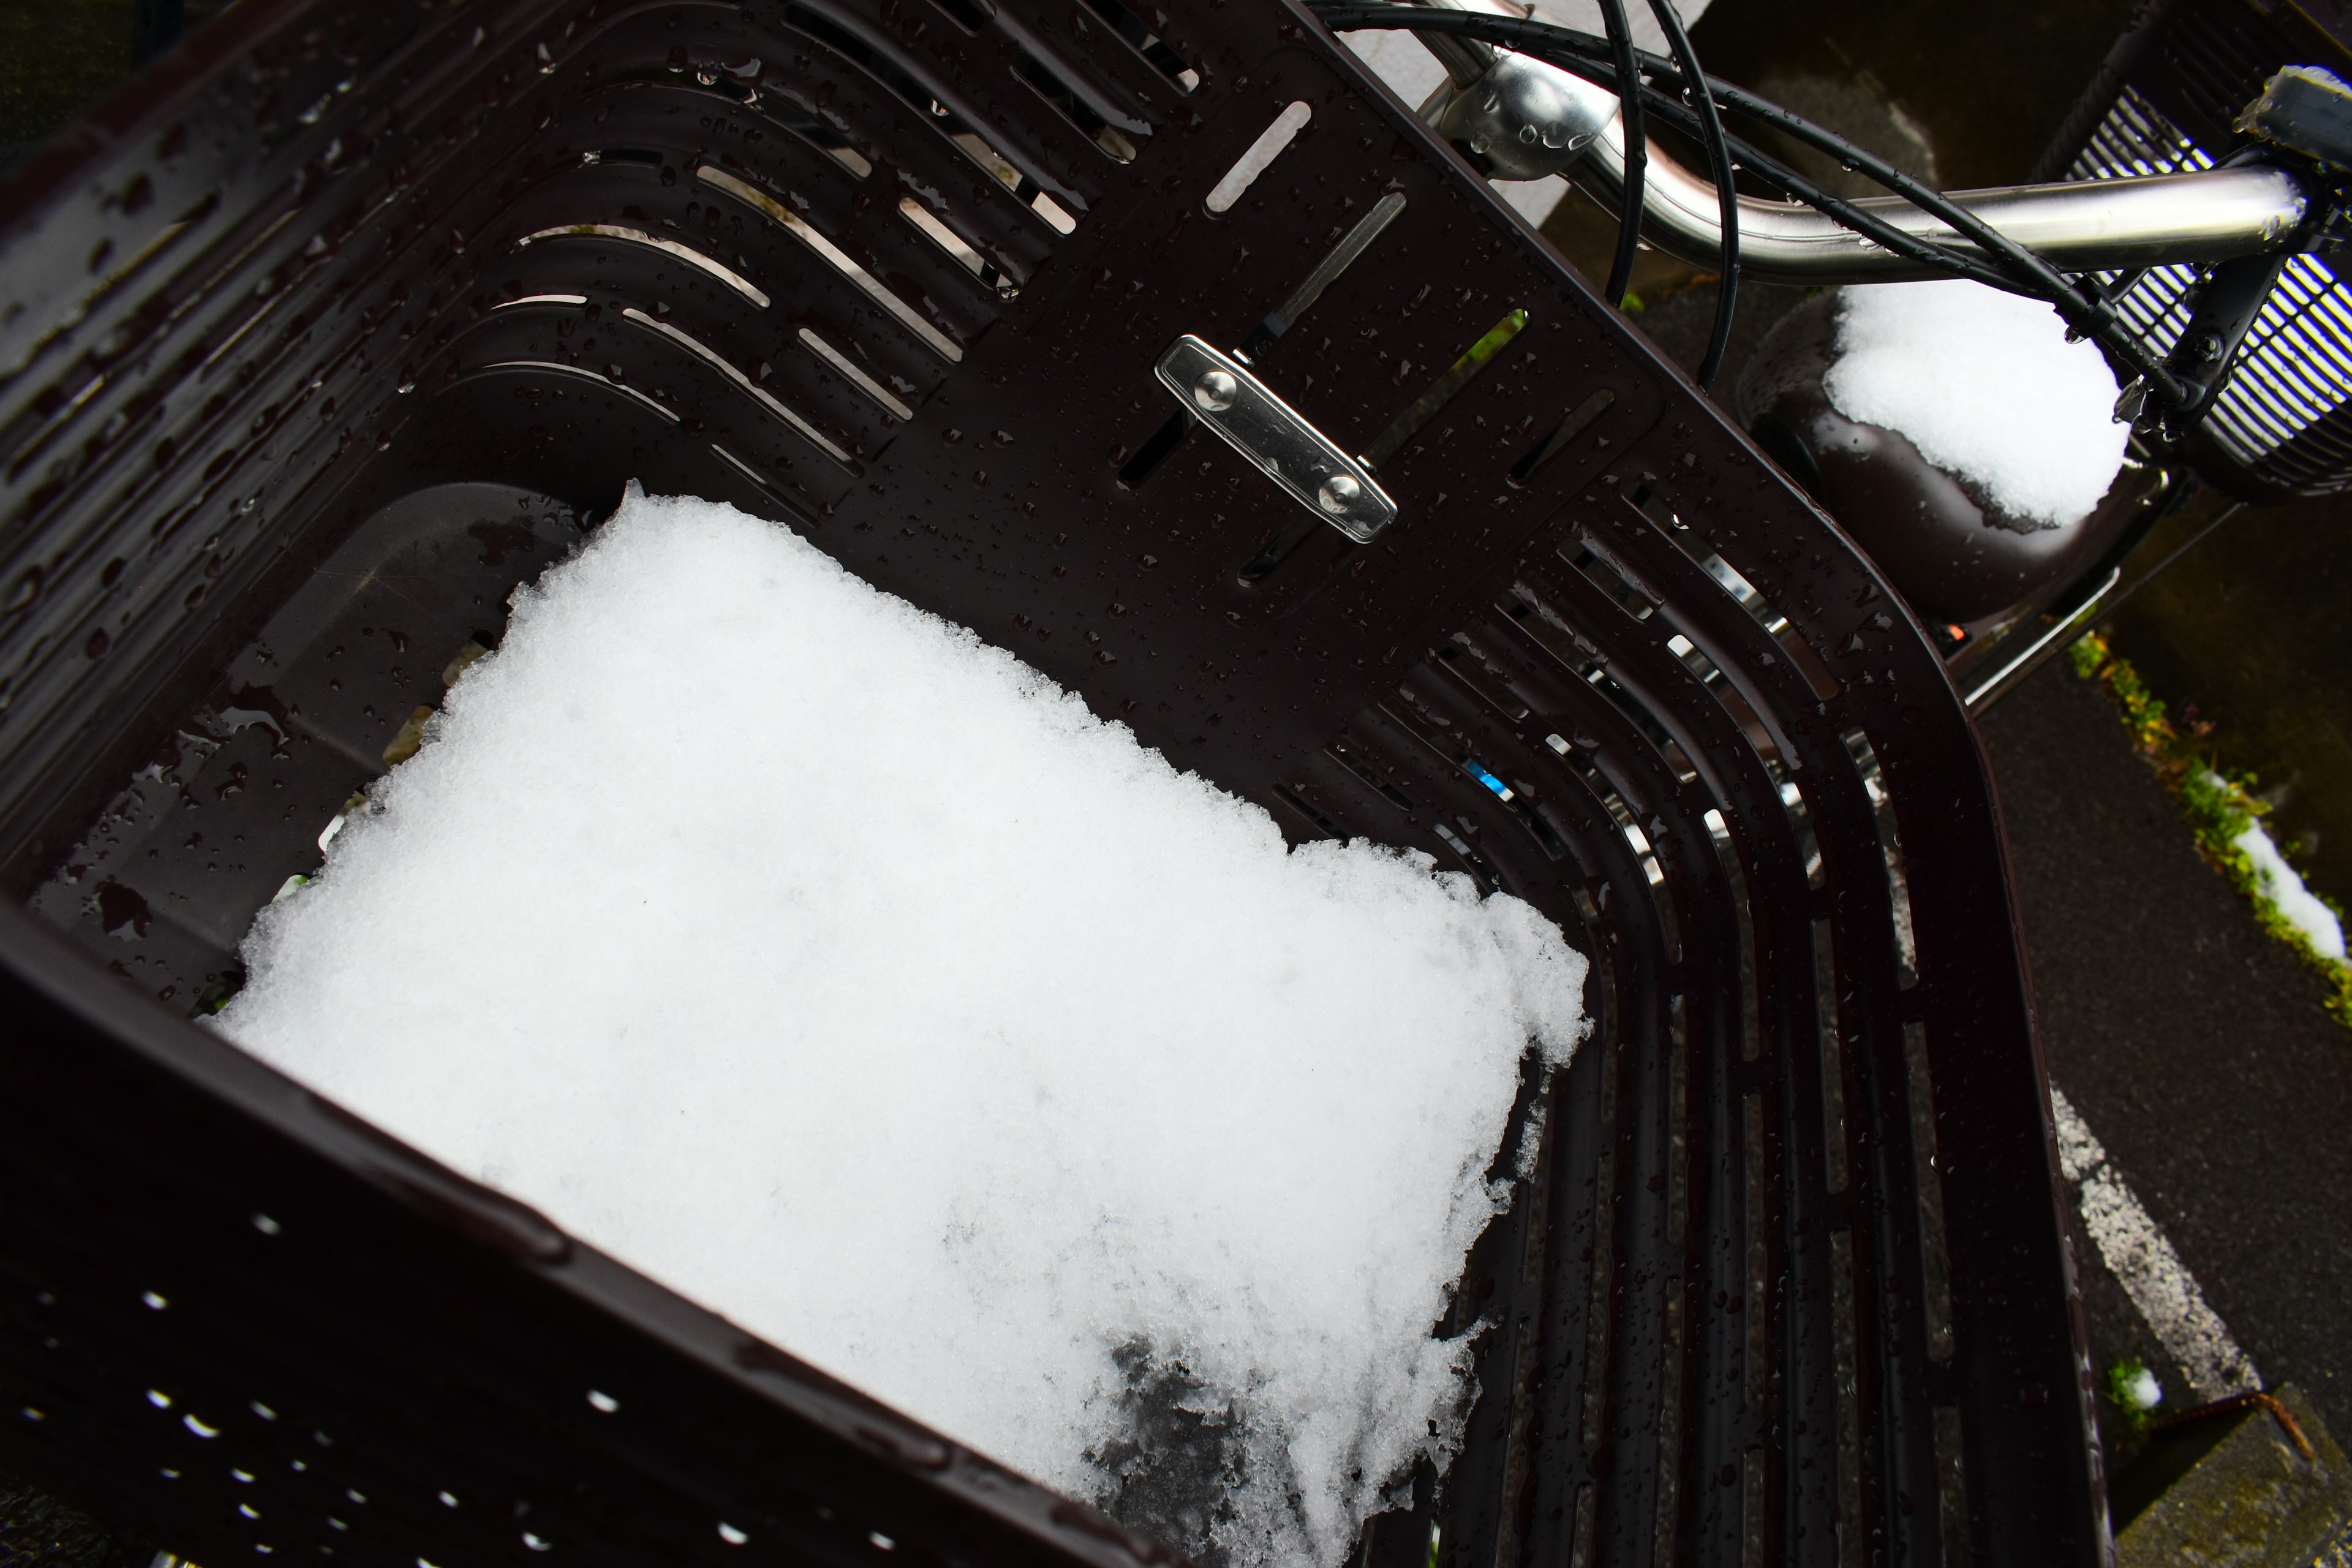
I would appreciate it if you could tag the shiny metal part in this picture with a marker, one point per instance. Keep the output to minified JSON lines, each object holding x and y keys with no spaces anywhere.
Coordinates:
{"x":1464,"y":59}
{"x":1216,"y":391}
{"x":1342,"y":257}
{"x":1523,"y":120}
{"x":1337,"y":494}
{"x":2079,"y":226}
{"x":1319,"y":474}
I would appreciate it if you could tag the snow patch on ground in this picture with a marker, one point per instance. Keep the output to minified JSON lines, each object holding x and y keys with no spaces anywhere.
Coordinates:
{"x":845,"y":972}
{"x":1987,"y":386}
{"x":2296,"y":904}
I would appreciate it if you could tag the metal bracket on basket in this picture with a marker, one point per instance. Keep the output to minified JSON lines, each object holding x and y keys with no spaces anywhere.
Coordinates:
{"x":1223,"y":395}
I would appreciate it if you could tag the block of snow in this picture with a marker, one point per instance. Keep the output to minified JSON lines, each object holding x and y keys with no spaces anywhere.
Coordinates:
{"x":843,"y":971}
{"x":1987,"y":386}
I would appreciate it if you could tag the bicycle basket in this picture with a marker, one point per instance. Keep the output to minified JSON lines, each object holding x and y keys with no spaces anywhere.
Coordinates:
{"x":353,"y":314}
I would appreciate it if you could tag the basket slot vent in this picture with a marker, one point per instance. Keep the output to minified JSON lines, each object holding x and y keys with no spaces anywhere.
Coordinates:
{"x":1660,"y":514}
{"x":972,"y":19}
{"x":1670,"y":1427}
{"x":831,"y":143}
{"x":1139,"y":36}
{"x":1467,"y":668}
{"x":552,"y":366}
{"x":66,"y":409}
{"x":1480,"y":871}
{"x":928,"y":110}
{"x":1630,"y":827}
{"x":1054,"y":213}
{"x":1851,"y":1526}
{"x":1898,"y":884}
{"x":1952,"y":1487}
{"x":1155,"y":451}
{"x":833,"y":256}
{"x":753,"y":474}
{"x":1832,"y":1059}
{"x":881,"y":395}
{"x":1547,"y":628}
{"x":1605,"y":577}
{"x":1328,"y":271}
{"x":760,"y":395}
{"x":1579,"y":419}
{"x":1757,"y":1308}
{"x":1271,"y":144}
{"x":1677,"y":1119}
{"x":983,"y":151}
{"x":123,"y":271}
{"x":1450,"y":384}
{"x":1295,"y":798}
{"x":1734,"y":701}
{"x":574,"y":300}
{"x":1751,"y":1032}
{"x":958,"y":249}
{"x":1800,"y":823}
{"x":1535,"y":615}
{"x":1435,"y":733}
{"x":1275,"y":551}
{"x":1935,"y":1260}
{"x":1372,"y":778}
{"x":1115,"y":140}
{"x":1752,"y":1503}
{"x":1601,"y":1288}
{"x":686,"y":253}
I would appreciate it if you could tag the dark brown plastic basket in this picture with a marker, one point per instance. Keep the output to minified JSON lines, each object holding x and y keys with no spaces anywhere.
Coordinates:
{"x":354,"y":313}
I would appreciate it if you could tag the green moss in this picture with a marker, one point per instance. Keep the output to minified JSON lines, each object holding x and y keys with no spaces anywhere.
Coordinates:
{"x":2120,"y":1378}
{"x":2220,"y":807}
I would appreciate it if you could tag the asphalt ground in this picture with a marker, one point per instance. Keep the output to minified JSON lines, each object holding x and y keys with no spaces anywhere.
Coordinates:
{"x":2192,"y":1043}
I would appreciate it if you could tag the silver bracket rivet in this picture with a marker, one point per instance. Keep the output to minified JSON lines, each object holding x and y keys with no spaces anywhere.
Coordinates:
{"x":1337,"y":492}
{"x":1214,"y":391}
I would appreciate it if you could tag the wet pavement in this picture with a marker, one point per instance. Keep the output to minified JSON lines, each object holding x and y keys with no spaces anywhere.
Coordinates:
{"x":2192,"y":1042}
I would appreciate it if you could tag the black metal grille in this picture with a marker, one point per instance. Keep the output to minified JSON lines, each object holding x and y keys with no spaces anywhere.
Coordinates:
{"x":2165,"y":104}
{"x":2278,"y":418}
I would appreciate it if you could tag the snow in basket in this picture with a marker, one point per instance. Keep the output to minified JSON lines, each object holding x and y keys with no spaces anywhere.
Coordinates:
{"x":846,"y":975}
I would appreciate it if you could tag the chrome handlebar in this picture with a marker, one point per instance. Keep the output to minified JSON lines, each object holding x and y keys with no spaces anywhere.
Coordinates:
{"x":1523,"y":120}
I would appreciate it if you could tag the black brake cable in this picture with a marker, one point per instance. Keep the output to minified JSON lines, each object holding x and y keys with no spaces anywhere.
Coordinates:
{"x":1583,"y":55}
{"x":1952,"y":263}
{"x":1718,"y":155}
{"x":1637,"y":153}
